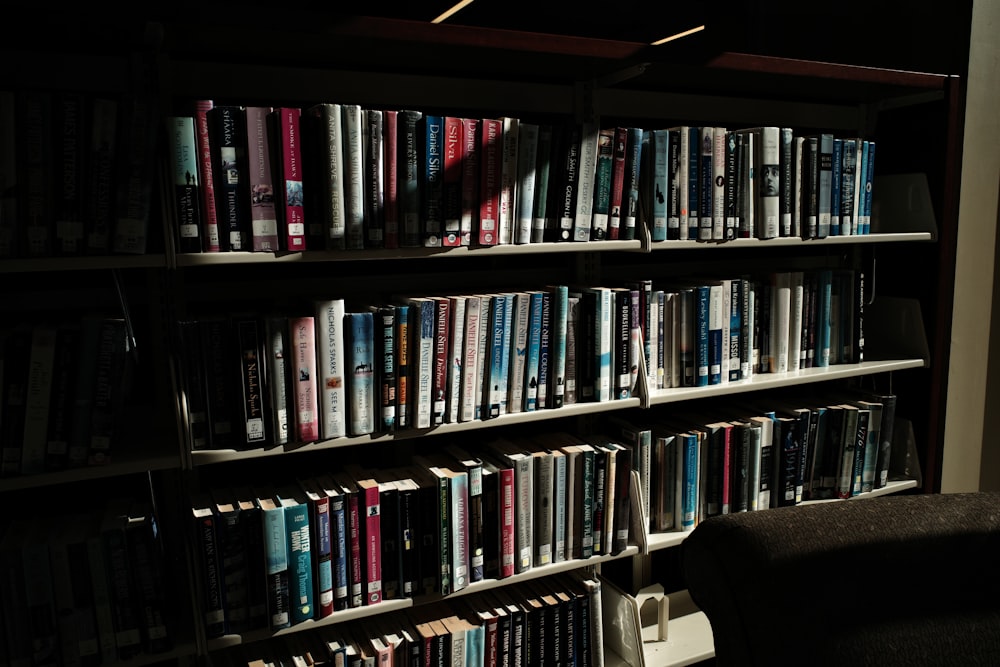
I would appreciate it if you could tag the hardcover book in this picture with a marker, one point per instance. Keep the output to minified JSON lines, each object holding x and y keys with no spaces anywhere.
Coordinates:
{"x":359,"y":345}
{"x":604,"y":166}
{"x":303,"y":341}
{"x":510,"y":140}
{"x":583,"y":220}
{"x":373,"y":155}
{"x":390,"y":177}
{"x":618,"y":161}
{"x":354,"y":175}
{"x":470,"y":179}
{"x":276,"y":563}
{"x":331,"y":376}
{"x":254,"y":423}
{"x":454,"y":158}
{"x":408,"y":121}
{"x":432,"y":179}
{"x":206,"y":177}
{"x":186,"y":191}
{"x":527,"y":158}
{"x":260,"y":176}
{"x":228,"y":137}
{"x":490,"y":166}
{"x":299,"y":553}
{"x":325,"y":184}
{"x":320,"y":538}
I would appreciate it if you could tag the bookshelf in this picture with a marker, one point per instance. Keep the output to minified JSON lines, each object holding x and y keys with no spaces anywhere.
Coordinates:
{"x":483,"y":72}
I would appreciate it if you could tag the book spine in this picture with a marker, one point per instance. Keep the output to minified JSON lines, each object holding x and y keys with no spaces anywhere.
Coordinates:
{"x":303,"y":340}
{"x":334,"y":203}
{"x":509,"y":143}
{"x":587,"y":183}
{"x":210,"y":563}
{"x":255,"y":427}
{"x":371,"y":550}
{"x":602,"y":184}
{"x":568,"y":154}
{"x":824,"y":184}
{"x":229,"y":160}
{"x":518,"y":352}
{"x":456,"y":357}
{"x":527,"y":163}
{"x":186,"y":200}
{"x":869,"y":180}
{"x":424,"y":368}
{"x":787,"y":182}
{"x":630,"y":185}
{"x":404,"y":340}
{"x":373,"y":183}
{"x":810,"y":175}
{"x":534,"y":341}
{"x":390,"y":177}
{"x":322,"y":539}
{"x":491,"y":155}
{"x":459,"y":513}
{"x":136,"y":171}
{"x":718,"y":184}
{"x":542,"y":218}
{"x":452,"y":180}
{"x":617,"y":192}
{"x":432,"y":179}
{"x":355,"y":550}
{"x":329,"y":327}
{"x":354,"y":176}
{"x":359,"y":345}
{"x":279,"y":346}
{"x":209,"y":214}
{"x":263,"y":212}
{"x":339,"y":531}
{"x":102,"y":158}
{"x":276,"y":565}
{"x":659,"y":145}
{"x":34,"y":149}
{"x":300,"y":567}
{"x":470,"y":375}
{"x":560,"y":500}
{"x":385,"y":325}
{"x":706,"y":181}
{"x":836,"y":178}
{"x":470,"y":179}
{"x":409,"y":180}
{"x":442,"y":360}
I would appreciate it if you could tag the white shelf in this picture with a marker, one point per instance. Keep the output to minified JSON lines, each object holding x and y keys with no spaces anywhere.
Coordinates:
{"x":689,"y":636}
{"x":792,"y":241}
{"x":209,"y":456}
{"x":774,"y":380}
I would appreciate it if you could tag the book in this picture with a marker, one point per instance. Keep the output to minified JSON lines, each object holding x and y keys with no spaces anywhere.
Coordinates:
{"x":719,"y":176}
{"x":631,"y":183}
{"x":320,"y":539}
{"x":278,"y":369}
{"x":384,"y":335}
{"x":443,"y":359}
{"x":660,"y":185}
{"x":354,"y":175}
{"x":423,"y":311}
{"x":261,"y":168}
{"x":359,"y":345}
{"x":432,"y":178}
{"x":254,"y":426}
{"x":471,"y":162}
{"x":229,"y":160}
{"x":330,"y":360}
{"x":604,"y":166}
{"x":545,"y":187}
{"x":323,"y":186}
{"x":339,"y":541}
{"x":299,"y":551}
{"x":403,"y":348}
{"x":354,"y":523}
{"x":212,"y":604}
{"x":186,"y":191}
{"x":370,"y":529}
{"x":787,"y":183}
{"x":490,"y":167}
{"x":304,"y":386}
{"x":409,"y":177}
{"x":211,"y":241}
{"x":390,"y":177}
{"x":276,"y":562}
{"x":509,"y":143}
{"x":476,"y":509}
{"x":102,"y":155}
{"x":373,"y":183}
{"x":587,"y":183}
{"x":527,"y":163}
{"x":706,"y":182}
{"x":452,"y":180}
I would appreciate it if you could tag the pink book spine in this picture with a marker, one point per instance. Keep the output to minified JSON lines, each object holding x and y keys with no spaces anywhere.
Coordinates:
{"x":391,"y":165}
{"x":470,"y":179}
{"x":263,"y":219}
{"x":506,"y":522}
{"x":491,"y":155}
{"x":291,"y":156}
{"x":210,"y":217}
{"x":373,"y":543}
{"x":442,"y":360}
{"x":304,"y":341}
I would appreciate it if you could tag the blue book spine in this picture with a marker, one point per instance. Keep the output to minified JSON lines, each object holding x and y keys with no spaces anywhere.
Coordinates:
{"x":689,"y":497}
{"x":825,"y":288}
{"x":694,"y":159}
{"x":702,"y":301}
{"x":660,"y":141}
{"x":338,"y":540}
{"x":276,"y":567}
{"x":869,"y":181}
{"x":534,"y":352}
{"x":300,"y":582}
{"x":675,"y":216}
{"x":508,"y":335}
{"x":838,"y":151}
{"x":361,"y":352}
{"x":433,"y":180}
{"x":545,"y":358}
{"x":496,"y":378}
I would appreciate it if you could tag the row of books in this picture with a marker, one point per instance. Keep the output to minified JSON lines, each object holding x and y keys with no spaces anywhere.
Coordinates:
{"x":85,"y":589}
{"x":717,"y":184}
{"x":546,"y":622}
{"x":766,"y":453}
{"x":64,"y":390}
{"x":76,"y":172}
{"x":416,"y":362}
{"x":339,"y":176}
{"x":706,"y":331}
{"x":282,"y":555}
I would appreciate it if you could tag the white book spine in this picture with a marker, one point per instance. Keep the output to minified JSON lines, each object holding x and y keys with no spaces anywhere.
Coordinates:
{"x":585,"y":189}
{"x":559,"y":500}
{"x":470,"y":365}
{"x":425,"y":363}
{"x":508,"y":180}
{"x":727,"y":295}
{"x":518,"y":352}
{"x":335,"y":172}
{"x":602,"y":388}
{"x":780,"y":318}
{"x":795,"y":321}
{"x":653,"y":369}
{"x":354,"y":194}
{"x":682,"y":181}
{"x":482,"y":367}
{"x":770,"y":162}
{"x":330,"y":359}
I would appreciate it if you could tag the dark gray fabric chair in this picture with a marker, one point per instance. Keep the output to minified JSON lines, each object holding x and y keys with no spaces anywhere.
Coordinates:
{"x":893,"y":580}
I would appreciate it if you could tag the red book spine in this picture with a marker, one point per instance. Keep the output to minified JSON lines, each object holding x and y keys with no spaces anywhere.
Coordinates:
{"x":390,"y":164}
{"x":303,"y":335}
{"x":617,"y":182}
{"x":506,"y":522}
{"x":470,"y":179}
{"x":454,"y":147}
{"x":491,"y":154}
{"x":291,"y":161}
{"x":442,"y":336}
{"x":210,"y":217}
{"x":727,"y":465}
